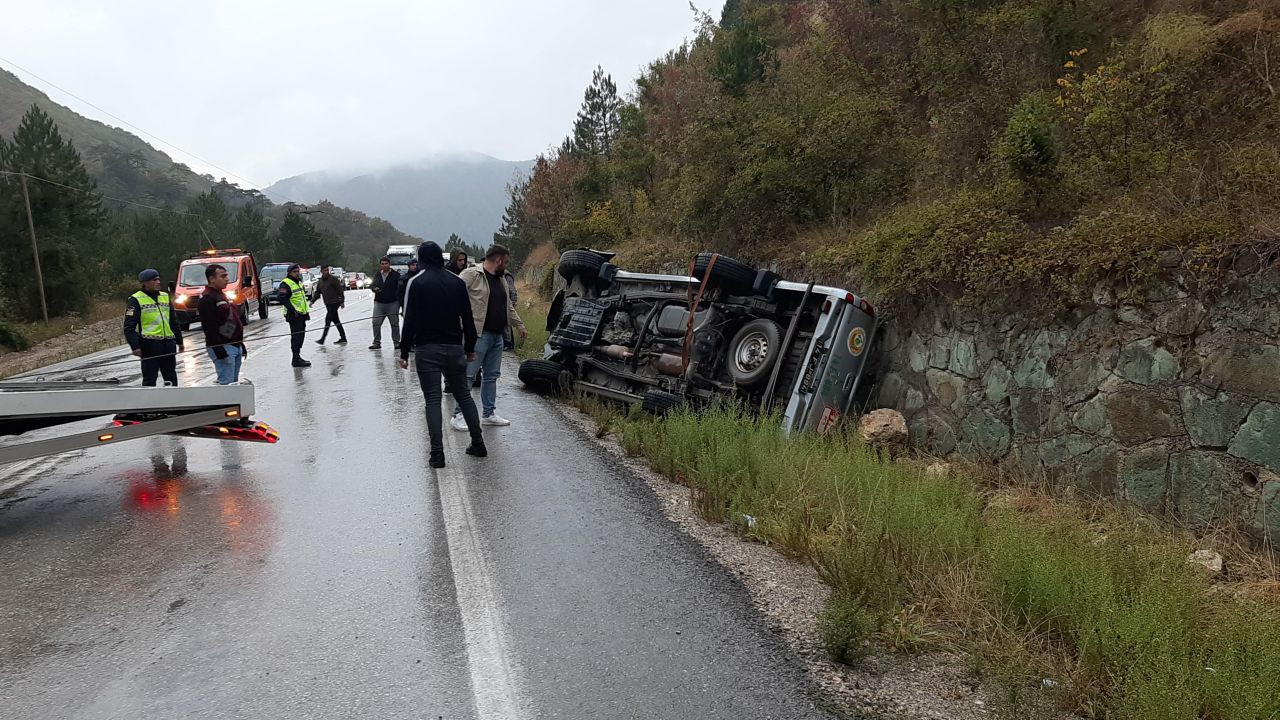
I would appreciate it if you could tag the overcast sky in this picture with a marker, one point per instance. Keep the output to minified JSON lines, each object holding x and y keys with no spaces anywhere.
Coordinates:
{"x":267,"y":89}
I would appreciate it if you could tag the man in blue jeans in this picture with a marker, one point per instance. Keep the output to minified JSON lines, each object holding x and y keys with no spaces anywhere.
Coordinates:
{"x":222,"y":325}
{"x":492,"y":311}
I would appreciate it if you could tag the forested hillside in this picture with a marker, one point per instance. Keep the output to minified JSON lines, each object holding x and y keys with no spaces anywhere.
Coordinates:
{"x":121,"y":163}
{"x":918,"y":146}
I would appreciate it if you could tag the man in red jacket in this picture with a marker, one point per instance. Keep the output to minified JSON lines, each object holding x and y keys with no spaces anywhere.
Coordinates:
{"x":223,"y":328}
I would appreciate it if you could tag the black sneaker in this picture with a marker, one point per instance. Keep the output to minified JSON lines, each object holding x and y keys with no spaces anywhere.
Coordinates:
{"x":319,"y":341}
{"x":375,"y":346}
{"x":342,"y":341}
{"x":477,"y":449}
{"x":437,"y":459}
{"x":299,"y":362}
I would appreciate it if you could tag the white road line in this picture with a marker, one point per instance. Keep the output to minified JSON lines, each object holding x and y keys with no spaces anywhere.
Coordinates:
{"x":495,"y":677}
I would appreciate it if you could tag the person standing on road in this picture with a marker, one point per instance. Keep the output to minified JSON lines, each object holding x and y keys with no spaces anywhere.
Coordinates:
{"x":297,"y":311}
{"x":440,"y":329}
{"x":386,"y":291}
{"x":223,"y":328}
{"x":412,"y":269}
{"x":509,"y":337}
{"x":457,"y":261}
{"x":491,"y":311}
{"x":334,"y":291}
{"x":150,"y":331}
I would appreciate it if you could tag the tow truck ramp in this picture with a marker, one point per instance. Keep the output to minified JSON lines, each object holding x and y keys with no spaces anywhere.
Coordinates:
{"x":218,"y":411}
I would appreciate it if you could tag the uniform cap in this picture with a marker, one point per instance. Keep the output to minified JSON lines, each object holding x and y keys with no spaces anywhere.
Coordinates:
{"x":148,"y":274}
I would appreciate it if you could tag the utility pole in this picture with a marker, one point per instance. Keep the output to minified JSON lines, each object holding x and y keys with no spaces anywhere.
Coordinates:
{"x":35,"y":248}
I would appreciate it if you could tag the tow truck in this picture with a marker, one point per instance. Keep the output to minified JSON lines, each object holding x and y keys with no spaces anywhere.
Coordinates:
{"x":220,"y":412}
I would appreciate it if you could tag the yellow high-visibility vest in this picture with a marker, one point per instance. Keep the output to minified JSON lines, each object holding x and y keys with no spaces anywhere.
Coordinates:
{"x":297,"y":297}
{"x":154,"y":323}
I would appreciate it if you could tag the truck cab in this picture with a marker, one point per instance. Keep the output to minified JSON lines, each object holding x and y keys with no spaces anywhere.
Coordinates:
{"x":243,"y":287}
{"x":400,"y":255}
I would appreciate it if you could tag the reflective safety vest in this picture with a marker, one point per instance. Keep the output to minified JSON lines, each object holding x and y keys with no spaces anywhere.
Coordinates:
{"x":297,"y":297}
{"x":154,"y":323}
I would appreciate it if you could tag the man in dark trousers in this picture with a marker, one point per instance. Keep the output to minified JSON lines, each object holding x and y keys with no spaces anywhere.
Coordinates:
{"x":411,"y":269}
{"x":440,"y":329}
{"x":386,"y":293}
{"x":150,"y":331}
{"x":223,"y":329}
{"x":334,"y":291}
{"x":297,"y":311}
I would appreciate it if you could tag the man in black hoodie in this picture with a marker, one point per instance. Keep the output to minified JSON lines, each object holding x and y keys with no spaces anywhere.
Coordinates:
{"x":440,"y":329}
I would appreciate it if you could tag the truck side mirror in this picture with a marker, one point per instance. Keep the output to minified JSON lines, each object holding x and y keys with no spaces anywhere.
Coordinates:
{"x":248,"y":281}
{"x":172,"y":285}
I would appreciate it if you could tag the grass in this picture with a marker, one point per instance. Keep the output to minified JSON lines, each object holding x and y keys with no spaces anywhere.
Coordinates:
{"x":35,"y":333}
{"x":1098,"y":599}
{"x":533,"y":311}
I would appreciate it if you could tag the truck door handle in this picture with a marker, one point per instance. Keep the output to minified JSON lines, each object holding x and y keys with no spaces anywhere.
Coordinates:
{"x":848,"y":381}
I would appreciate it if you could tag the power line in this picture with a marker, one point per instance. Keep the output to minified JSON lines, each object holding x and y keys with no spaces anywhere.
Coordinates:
{"x":29,"y":176}
{"x":255,"y":185}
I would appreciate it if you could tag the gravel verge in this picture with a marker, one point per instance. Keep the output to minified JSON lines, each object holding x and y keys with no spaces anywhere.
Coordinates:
{"x":791,"y":597}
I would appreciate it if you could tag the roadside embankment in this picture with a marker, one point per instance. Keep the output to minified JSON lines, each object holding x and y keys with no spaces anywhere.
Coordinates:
{"x":1169,"y":401}
{"x":1059,"y":605}
{"x":64,"y":338}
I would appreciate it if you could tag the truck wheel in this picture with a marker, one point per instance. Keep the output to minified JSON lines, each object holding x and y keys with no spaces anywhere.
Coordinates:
{"x":244,"y":314}
{"x":541,"y":374}
{"x":736,"y":277}
{"x":754,"y":351}
{"x":580,"y":263}
{"x":660,"y":402}
{"x":262,"y":309}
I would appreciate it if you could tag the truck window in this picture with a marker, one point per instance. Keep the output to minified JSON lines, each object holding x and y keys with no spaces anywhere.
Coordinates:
{"x":192,"y":275}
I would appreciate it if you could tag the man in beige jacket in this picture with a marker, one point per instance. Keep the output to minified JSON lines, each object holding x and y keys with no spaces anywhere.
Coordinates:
{"x":493,"y":312}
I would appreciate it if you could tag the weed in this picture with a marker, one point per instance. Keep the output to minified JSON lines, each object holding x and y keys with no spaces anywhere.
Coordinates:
{"x":1099,"y":599}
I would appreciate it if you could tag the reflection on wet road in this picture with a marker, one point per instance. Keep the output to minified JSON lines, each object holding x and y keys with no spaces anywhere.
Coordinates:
{"x":333,"y":575}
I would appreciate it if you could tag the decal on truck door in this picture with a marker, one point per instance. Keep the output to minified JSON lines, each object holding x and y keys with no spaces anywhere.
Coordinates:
{"x":828,"y":420}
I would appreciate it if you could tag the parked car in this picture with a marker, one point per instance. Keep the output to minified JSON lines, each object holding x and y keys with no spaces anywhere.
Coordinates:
{"x":309,"y":279}
{"x":366,"y":282}
{"x":270,"y":278}
{"x":241,"y":289}
{"x":729,"y":331}
{"x":351,"y":280}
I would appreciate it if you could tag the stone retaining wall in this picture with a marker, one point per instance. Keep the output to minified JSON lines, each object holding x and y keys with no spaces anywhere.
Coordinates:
{"x":1173,"y":405}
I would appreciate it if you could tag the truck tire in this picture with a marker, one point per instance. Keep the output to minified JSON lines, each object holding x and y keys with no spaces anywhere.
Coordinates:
{"x":660,"y":402}
{"x":262,"y":309}
{"x":538,"y":374}
{"x":580,"y":263}
{"x":244,"y":313}
{"x":738,"y":278}
{"x":754,"y":351}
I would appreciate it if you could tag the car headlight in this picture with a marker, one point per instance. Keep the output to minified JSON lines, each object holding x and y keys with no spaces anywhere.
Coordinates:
{"x":182,"y":300}
{"x":231,"y":294}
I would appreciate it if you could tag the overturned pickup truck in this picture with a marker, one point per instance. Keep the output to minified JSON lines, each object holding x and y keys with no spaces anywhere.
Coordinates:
{"x":728,"y":331}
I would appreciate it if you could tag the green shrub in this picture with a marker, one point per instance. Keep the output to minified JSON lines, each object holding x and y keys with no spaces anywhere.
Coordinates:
{"x":12,"y":338}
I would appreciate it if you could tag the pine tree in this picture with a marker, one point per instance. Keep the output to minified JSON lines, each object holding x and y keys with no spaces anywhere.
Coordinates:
{"x":597,"y":126}
{"x":68,"y":217}
{"x":298,"y":241}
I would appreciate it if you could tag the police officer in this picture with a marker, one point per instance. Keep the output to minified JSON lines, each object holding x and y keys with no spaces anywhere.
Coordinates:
{"x":150,"y":331}
{"x":297,"y":311}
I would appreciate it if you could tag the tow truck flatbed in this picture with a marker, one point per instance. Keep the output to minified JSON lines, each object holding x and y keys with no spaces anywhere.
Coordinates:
{"x":217,"y":411}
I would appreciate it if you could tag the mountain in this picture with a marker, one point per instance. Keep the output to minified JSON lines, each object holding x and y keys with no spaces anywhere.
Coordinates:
{"x":123,"y":165}
{"x":431,"y":198}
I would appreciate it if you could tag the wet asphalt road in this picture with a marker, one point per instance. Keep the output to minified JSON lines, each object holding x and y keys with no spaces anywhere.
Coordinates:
{"x":334,"y":575}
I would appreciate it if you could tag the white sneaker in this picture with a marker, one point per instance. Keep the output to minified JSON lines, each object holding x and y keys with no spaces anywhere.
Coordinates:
{"x":495,"y":419}
{"x":458,"y":422}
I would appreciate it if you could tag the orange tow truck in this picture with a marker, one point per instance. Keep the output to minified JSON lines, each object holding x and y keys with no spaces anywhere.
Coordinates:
{"x":242,"y":284}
